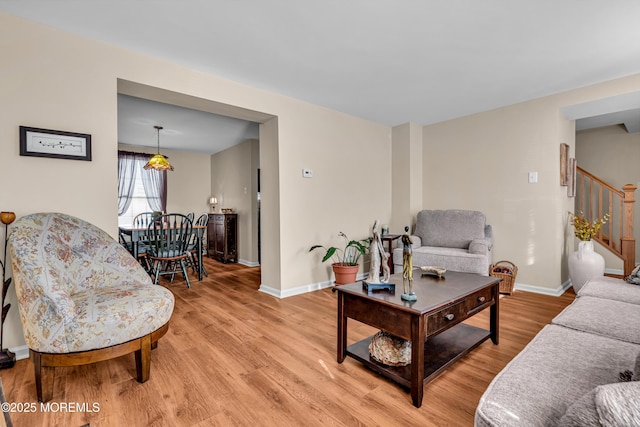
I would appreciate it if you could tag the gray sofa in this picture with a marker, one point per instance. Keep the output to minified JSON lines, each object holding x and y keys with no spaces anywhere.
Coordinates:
{"x":571,"y":373}
{"x":457,"y":240}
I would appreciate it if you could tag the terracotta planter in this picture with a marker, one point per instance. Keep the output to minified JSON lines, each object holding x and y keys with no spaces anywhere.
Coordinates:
{"x":345,"y":273}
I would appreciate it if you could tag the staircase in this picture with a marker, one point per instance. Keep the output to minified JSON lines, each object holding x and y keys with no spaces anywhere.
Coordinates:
{"x":595,"y":198}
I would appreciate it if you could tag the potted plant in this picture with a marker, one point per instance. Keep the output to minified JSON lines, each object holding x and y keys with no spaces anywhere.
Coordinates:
{"x":345,"y":260}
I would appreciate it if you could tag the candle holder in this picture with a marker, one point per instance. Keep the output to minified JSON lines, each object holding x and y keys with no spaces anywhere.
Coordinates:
{"x":7,"y":358}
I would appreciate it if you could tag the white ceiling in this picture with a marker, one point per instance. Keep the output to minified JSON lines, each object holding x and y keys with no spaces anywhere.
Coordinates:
{"x":390,"y":61}
{"x":184,"y":129}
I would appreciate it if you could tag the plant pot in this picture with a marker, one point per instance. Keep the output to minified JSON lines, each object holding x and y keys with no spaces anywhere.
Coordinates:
{"x":584,"y":264}
{"x":345,"y":273}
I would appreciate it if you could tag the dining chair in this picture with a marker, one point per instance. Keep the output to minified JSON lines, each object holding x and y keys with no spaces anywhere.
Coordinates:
{"x":197,"y":243}
{"x":191,"y":216}
{"x":142,"y":220}
{"x":169,"y":237}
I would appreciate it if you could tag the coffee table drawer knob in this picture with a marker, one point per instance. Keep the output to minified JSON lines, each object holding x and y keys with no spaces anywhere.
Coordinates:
{"x":481,"y":299}
{"x":449,"y":316}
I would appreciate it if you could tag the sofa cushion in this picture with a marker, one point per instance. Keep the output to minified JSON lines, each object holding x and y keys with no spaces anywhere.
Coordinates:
{"x":619,"y":404}
{"x":616,"y":404}
{"x":583,"y":413}
{"x":451,"y":228}
{"x":554,"y":370}
{"x":604,"y":317}
{"x":450,"y":258}
{"x":480,"y":246}
{"x":611,"y":288}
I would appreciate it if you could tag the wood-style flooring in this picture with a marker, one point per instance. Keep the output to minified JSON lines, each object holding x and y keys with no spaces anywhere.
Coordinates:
{"x":235,"y":356}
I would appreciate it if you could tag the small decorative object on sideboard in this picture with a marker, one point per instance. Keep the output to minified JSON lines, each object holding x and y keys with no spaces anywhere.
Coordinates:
{"x":505,"y":270}
{"x":7,"y":358}
{"x":226,"y":210}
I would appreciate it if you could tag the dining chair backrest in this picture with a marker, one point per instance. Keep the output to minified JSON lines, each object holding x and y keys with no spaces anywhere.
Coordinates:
{"x":169,"y":236}
{"x":202,"y":221}
{"x":142,"y":220}
{"x":191,"y":216}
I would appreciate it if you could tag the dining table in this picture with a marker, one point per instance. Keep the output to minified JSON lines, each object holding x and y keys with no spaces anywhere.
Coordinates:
{"x":138,"y":234}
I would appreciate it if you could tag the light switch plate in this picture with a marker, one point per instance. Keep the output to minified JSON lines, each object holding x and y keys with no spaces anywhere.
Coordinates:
{"x":307,"y":173}
{"x":533,"y":177}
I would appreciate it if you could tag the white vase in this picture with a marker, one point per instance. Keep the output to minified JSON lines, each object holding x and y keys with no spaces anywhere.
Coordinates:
{"x":584,"y":264}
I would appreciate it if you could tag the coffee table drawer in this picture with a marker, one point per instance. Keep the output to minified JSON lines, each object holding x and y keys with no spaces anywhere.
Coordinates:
{"x":478,"y":300}
{"x":448,"y":316}
{"x":458,"y":311}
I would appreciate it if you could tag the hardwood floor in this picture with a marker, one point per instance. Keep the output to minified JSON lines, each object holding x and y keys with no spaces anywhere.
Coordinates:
{"x":236,"y":356}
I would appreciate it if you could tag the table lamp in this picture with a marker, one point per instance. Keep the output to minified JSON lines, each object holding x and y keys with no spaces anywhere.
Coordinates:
{"x":213,"y":202}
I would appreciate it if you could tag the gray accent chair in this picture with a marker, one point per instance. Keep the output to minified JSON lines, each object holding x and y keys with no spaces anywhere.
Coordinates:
{"x":458,"y":240}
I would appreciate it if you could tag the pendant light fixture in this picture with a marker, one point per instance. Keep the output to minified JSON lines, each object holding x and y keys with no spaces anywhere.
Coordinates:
{"x":158,"y":162}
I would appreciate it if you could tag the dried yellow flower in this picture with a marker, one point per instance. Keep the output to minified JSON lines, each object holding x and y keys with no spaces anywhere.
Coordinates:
{"x":585,"y":230}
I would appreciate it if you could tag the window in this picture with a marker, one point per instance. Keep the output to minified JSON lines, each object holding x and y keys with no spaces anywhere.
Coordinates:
{"x":139,"y":201}
{"x":139,"y":190}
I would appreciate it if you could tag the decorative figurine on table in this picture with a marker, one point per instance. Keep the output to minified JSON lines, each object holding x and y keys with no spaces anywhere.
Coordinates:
{"x":379,"y":258}
{"x":7,"y":358}
{"x":407,"y":267}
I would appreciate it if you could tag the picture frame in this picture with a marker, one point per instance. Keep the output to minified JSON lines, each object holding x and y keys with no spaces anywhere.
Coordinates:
{"x":54,"y":144}
{"x":572,"y":172}
{"x":564,"y":164}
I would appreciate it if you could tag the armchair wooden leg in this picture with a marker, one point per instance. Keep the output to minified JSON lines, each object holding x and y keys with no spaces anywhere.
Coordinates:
{"x":143,"y":359}
{"x":44,"y":377}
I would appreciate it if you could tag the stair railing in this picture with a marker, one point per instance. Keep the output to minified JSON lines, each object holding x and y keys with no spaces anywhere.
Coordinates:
{"x":595,"y":198}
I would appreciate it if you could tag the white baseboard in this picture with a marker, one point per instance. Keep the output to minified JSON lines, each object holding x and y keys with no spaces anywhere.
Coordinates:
{"x":21,"y":352}
{"x":556,"y":292}
{"x":302,"y":289}
{"x":248,"y":263}
{"x":614,"y":271}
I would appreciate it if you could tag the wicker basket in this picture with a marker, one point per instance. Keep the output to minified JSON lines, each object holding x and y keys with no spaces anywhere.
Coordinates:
{"x":507,"y":271}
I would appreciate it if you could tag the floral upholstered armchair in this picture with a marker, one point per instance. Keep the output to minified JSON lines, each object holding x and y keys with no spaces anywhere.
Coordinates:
{"x":82,"y":297}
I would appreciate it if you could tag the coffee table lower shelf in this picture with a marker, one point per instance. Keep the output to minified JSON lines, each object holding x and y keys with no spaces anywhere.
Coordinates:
{"x":440,"y":352}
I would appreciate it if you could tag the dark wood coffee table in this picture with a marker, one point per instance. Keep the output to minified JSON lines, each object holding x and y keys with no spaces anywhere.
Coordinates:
{"x":432,"y":323}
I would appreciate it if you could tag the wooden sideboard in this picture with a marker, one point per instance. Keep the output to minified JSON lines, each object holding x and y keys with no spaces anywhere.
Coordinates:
{"x":222,"y":237}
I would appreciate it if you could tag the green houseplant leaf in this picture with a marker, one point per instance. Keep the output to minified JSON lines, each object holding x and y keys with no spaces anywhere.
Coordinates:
{"x":348,"y":255}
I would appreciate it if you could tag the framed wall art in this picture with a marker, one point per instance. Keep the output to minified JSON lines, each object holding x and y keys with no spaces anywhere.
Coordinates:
{"x":564,"y":164}
{"x":571,"y":178}
{"x":55,"y":144}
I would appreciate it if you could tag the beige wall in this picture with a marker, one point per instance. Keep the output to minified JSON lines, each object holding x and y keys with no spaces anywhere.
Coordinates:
{"x":408,"y":182}
{"x":481,"y":162}
{"x":55,"y":80}
{"x":612,"y":154}
{"x":189,"y":184}
{"x":234,"y":183}
{"x":51,"y":79}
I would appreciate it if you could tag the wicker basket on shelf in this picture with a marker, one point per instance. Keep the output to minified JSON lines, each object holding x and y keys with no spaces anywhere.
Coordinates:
{"x":505,"y":270}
